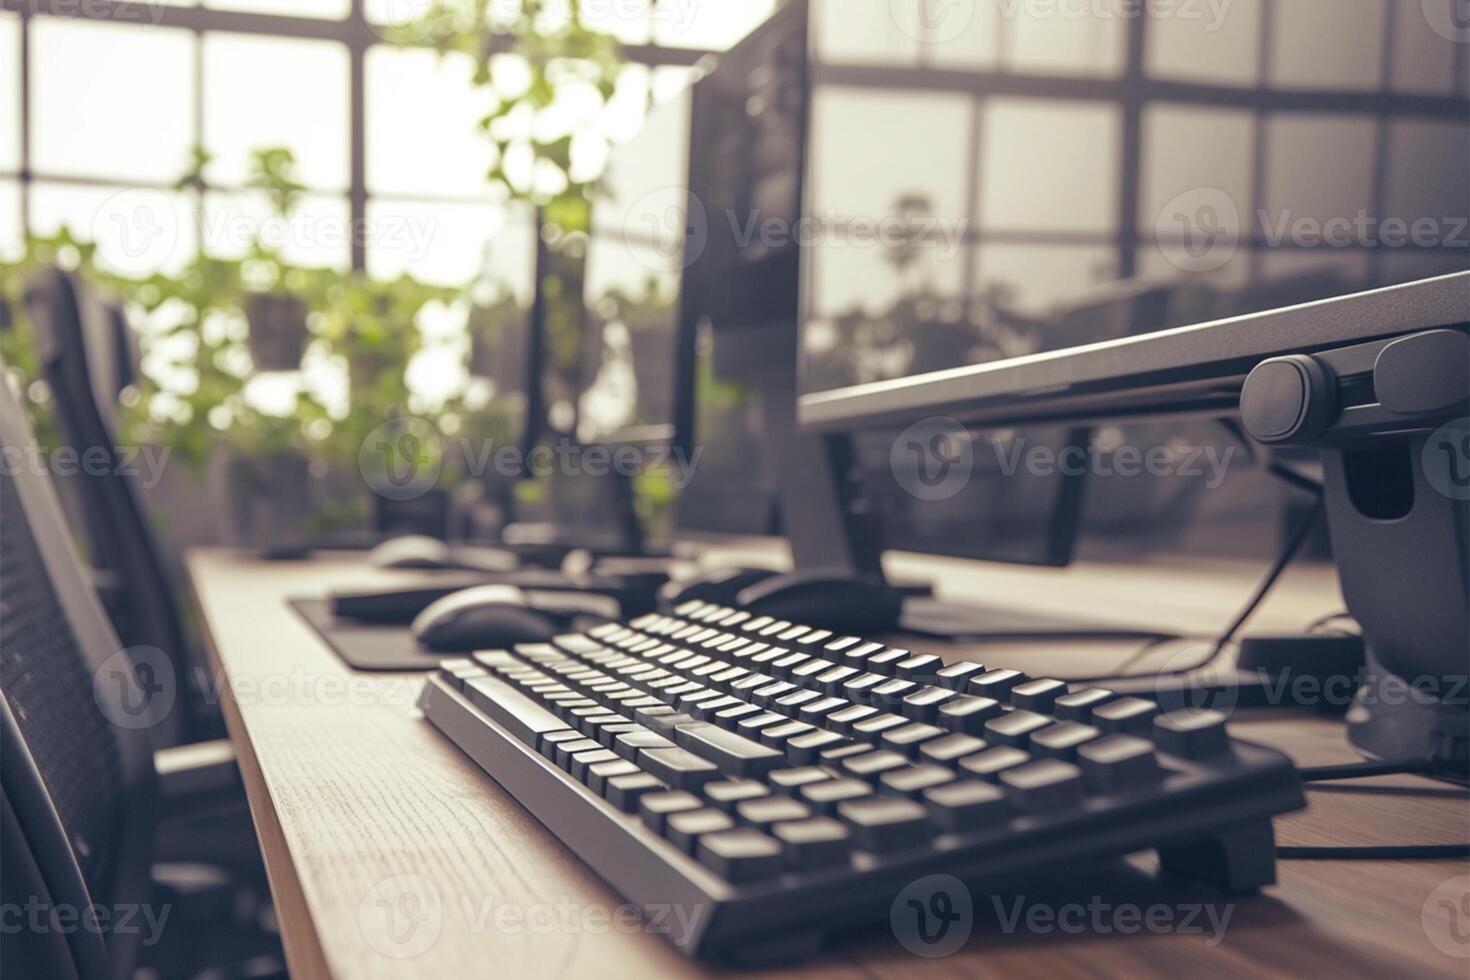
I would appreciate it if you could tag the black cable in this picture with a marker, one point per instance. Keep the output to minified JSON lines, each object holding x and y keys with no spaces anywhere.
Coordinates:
{"x":1358,"y":770}
{"x":1374,"y":852}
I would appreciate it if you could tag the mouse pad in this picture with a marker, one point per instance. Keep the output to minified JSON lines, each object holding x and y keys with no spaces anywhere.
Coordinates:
{"x":367,"y":646}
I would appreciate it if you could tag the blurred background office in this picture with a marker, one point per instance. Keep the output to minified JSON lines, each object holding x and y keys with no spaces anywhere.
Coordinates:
{"x":320,"y":215}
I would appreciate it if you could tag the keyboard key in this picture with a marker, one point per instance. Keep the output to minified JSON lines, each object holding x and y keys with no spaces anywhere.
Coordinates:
{"x":806,"y":749}
{"x":789,"y":703}
{"x":1118,"y":764}
{"x":1126,"y":716}
{"x":870,"y":765}
{"x":988,"y":765}
{"x":727,"y":717}
{"x":628,"y":744}
{"x":860,"y":688}
{"x":1043,"y":786}
{"x":1014,"y":727}
{"x":911,"y":781}
{"x":807,"y":845}
{"x":967,"y":805}
{"x":950,"y":748}
{"x":923,"y":704}
{"x":726,"y":794}
{"x":885,"y":824}
{"x":843,"y":719}
{"x":512,"y":710}
{"x":886,"y":662}
{"x":1193,"y":735}
{"x":1038,"y":695}
{"x":891,"y":693}
{"x":683,"y":830}
{"x":766,"y":696}
{"x":771,"y":810}
{"x":842,"y":643}
{"x":679,"y":768}
{"x":1079,"y":706}
{"x":832,"y":680}
{"x":1060,"y":741}
{"x":776,"y":736}
{"x":996,"y":684}
{"x":583,"y":761}
{"x":956,"y":676}
{"x":548,"y":742}
{"x":909,"y":738}
{"x":624,"y":792}
{"x":824,"y":797}
{"x":733,"y":753}
{"x":599,"y":774}
{"x":655,"y":808}
{"x":562,"y":754}
{"x":790,"y":780}
{"x":752,"y":726}
{"x":740,"y":856}
{"x":967,"y":713}
{"x":875,"y":726}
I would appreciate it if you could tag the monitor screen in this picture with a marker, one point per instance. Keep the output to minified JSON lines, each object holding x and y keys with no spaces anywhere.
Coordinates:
{"x":635,"y":264}
{"x":1004,"y":179}
{"x":503,"y":380}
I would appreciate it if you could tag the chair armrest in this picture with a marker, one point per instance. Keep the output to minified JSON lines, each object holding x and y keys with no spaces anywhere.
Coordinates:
{"x":196,"y":771}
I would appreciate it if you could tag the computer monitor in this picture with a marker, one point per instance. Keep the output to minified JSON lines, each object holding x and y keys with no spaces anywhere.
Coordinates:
{"x":980,"y":185}
{"x":505,"y":338}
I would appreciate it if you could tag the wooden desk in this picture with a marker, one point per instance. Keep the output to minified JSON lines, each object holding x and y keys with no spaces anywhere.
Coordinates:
{"x":351,"y":789}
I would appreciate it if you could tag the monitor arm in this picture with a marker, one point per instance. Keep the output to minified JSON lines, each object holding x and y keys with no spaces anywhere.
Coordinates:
{"x":1389,"y":419}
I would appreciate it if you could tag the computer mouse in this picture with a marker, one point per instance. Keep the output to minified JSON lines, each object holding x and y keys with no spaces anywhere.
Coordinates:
{"x":485,"y":617}
{"x":832,"y":599}
{"x":721,"y":586}
{"x":412,"y":551}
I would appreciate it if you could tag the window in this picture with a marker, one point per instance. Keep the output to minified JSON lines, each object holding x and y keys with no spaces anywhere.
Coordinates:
{"x":11,"y":238}
{"x":10,"y":90}
{"x":1214,"y":43}
{"x":1049,"y":165}
{"x":137,"y":230}
{"x":411,"y":150}
{"x":1328,"y":44}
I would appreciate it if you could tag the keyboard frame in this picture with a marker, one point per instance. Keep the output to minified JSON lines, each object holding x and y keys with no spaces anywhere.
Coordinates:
{"x":1215,"y":830}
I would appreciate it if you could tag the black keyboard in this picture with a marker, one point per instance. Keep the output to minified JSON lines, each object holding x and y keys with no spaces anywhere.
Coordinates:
{"x":790,"y":783}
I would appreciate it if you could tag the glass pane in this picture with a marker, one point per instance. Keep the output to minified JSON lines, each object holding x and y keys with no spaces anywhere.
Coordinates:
{"x":862,"y":32}
{"x":1032,"y":279}
{"x":1424,"y":49}
{"x":872,"y":279}
{"x":422,"y":132}
{"x":962,"y":35}
{"x":452,"y":245}
{"x":1049,"y":166}
{"x":1328,"y":44}
{"x":110,"y":100}
{"x":710,"y":24}
{"x":12,"y":238}
{"x":334,"y":9}
{"x":630,"y":23}
{"x":9,"y":92}
{"x":1302,"y":191}
{"x":269,"y":92}
{"x":1041,"y":37}
{"x":1216,"y":43}
{"x":318,"y":231}
{"x":1428,"y":184}
{"x":877,"y":146}
{"x":1194,"y":159}
{"x":137,"y":231}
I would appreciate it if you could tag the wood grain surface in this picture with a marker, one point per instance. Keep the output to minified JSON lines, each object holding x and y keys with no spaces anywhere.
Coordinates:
{"x":369,"y":819}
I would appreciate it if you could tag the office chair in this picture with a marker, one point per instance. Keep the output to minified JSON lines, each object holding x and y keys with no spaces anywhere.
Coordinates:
{"x":128,"y":569}
{"x":86,"y":805}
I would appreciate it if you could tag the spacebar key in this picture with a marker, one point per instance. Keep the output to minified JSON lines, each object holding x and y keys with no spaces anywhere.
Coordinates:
{"x":733,"y":753}
{"x":513,"y":710}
